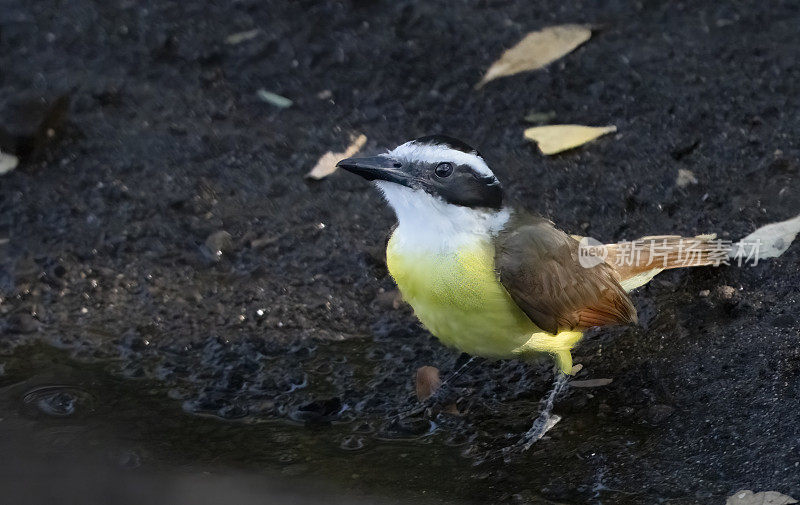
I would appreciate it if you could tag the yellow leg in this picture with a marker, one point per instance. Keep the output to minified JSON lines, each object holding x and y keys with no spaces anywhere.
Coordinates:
{"x":558,"y":345}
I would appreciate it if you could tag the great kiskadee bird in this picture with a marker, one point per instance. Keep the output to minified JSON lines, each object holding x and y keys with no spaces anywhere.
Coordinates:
{"x":495,"y":281}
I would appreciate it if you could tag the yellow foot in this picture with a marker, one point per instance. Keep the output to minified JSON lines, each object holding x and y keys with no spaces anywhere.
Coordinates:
{"x":558,"y":345}
{"x":564,"y":361}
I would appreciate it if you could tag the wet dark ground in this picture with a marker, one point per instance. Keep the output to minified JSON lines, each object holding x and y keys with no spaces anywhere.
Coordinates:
{"x":128,"y":345}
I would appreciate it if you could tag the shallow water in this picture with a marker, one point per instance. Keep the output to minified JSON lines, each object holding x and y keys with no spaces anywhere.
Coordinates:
{"x":63,"y":415}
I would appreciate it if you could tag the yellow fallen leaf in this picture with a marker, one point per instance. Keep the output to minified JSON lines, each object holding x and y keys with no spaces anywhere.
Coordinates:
{"x":556,"y":138}
{"x":537,"y":49}
{"x":326,"y":165}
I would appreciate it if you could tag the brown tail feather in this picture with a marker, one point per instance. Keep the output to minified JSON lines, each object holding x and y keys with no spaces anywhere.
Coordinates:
{"x":662,"y":252}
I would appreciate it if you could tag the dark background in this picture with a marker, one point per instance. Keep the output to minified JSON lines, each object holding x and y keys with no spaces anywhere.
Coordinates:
{"x":112,"y":223}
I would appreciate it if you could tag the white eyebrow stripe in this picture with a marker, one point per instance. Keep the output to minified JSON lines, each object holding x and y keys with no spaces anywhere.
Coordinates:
{"x":438,"y":153}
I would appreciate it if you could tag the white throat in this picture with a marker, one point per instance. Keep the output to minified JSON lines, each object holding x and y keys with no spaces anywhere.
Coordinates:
{"x":430,"y":225}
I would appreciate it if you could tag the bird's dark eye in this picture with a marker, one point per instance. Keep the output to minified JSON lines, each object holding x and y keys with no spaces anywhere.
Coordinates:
{"x":444,"y":169}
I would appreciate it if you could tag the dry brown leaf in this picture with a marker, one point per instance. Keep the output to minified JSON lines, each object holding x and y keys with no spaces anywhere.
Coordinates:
{"x":556,"y":138}
{"x":326,"y":165}
{"x":747,"y":497}
{"x":428,"y":382}
{"x":537,"y":49}
{"x":591,"y":383}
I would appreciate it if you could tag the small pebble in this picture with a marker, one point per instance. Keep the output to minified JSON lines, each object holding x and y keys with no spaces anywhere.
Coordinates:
{"x":726,"y":292}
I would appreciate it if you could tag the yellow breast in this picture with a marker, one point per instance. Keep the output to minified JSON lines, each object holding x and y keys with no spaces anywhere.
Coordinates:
{"x":457,"y":296}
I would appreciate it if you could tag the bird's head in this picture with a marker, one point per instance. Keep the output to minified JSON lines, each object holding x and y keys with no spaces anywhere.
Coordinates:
{"x":433,"y":174}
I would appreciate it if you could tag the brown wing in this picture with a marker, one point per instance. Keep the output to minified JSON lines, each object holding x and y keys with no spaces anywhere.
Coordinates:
{"x":538,"y":265}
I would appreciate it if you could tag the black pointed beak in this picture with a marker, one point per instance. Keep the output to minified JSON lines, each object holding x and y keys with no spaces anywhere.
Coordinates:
{"x":381,"y":168}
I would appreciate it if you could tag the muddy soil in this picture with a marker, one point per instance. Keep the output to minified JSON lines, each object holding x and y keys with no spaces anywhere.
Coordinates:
{"x":161,"y":238}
